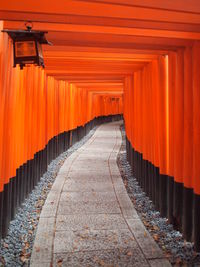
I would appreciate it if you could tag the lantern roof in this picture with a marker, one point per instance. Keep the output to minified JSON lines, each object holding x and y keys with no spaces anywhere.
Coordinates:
{"x":39,"y":36}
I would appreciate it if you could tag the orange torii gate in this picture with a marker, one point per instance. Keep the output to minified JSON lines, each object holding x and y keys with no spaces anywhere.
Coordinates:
{"x":145,"y":54}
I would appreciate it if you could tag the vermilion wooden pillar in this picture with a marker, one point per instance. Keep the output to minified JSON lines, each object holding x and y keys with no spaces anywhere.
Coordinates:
{"x":196,"y":143}
{"x":178,"y":137}
{"x":171,"y":93}
{"x":188,"y":144}
{"x":163,"y":135}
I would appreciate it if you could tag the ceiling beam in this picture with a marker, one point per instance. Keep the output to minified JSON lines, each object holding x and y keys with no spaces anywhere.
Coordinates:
{"x":103,"y":9}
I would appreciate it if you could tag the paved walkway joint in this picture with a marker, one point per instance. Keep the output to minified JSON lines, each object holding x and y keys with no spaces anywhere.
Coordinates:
{"x":88,"y":218}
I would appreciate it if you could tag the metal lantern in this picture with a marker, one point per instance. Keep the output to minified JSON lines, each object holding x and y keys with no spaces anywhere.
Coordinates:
{"x":27,"y":46}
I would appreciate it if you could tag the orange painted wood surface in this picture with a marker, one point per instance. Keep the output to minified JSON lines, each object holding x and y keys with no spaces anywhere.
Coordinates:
{"x":36,"y":107}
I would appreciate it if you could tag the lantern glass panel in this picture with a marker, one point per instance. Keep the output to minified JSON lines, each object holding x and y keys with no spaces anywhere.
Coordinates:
{"x":25,"y":49}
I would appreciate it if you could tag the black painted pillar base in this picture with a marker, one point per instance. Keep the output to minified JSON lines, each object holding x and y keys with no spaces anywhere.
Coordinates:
{"x":196,"y":224}
{"x":163,"y":195}
{"x":14,"y":197}
{"x":170,"y":197}
{"x":187,"y":213}
{"x":1,"y":213}
{"x":6,"y":209}
{"x":177,"y":205}
{"x":157,"y":182}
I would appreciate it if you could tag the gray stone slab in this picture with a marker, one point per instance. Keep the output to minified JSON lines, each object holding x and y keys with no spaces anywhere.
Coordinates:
{"x":117,"y":181}
{"x":124,"y":257}
{"x":59,"y":181}
{"x":92,"y":161}
{"x":120,"y":189}
{"x":65,"y":170}
{"x":43,"y":244}
{"x":88,"y":163}
{"x":87,"y":186}
{"x":46,"y":225}
{"x":65,"y":208}
{"x":67,"y":241}
{"x":94,"y":154}
{"x":100,"y":169}
{"x":159,"y":263}
{"x":112,"y":161}
{"x":105,"y":140}
{"x":49,"y":210}
{"x":90,"y":176}
{"x":41,"y":264}
{"x":90,"y":221}
{"x":94,"y":172}
{"x":53,"y":197}
{"x":100,"y":148}
{"x":107,"y":144}
{"x":67,"y":164}
{"x":145,"y":241}
{"x":86,"y":197}
{"x":114,"y":171}
{"x":127,"y":207}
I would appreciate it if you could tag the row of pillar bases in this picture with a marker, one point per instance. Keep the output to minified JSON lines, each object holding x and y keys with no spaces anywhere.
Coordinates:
{"x":174,"y":201}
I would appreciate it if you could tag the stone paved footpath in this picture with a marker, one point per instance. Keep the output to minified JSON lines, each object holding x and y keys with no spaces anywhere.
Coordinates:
{"x":88,"y":218}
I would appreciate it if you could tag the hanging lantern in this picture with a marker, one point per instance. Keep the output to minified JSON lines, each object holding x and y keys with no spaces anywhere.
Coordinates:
{"x":27,"y":46}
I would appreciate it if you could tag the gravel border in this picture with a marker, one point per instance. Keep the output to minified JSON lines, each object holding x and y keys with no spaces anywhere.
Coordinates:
{"x":175,"y":248}
{"x":16,"y":248}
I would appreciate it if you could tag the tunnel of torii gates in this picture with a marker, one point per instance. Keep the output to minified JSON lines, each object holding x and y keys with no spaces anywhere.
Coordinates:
{"x":138,"y":58}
